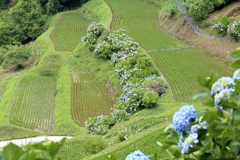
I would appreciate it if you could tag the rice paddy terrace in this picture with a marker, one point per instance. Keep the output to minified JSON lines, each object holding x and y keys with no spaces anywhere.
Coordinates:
{"x":33,"y":104}
{"x":89,"y":97}
{"x":180,"y":67}
{"x":68,"y":31}
{"x":34,"y":101}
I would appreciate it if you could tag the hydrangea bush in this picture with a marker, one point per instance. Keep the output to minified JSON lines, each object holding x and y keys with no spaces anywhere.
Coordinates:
{"x":233,"y":30}
{"x":93,"y":31}
{"x":215,"y":135}
{"x":221,"y":24}
{"x":137,"y":155}
{"x":142,"y":87}
{"x":200,"y":9}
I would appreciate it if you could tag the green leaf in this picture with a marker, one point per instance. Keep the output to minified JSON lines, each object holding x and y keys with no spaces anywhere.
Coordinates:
{"x":54,"y":147}
{"x":39,"y":146}
{"x":203,"y":81}
{"x":206,"y":156}
{"x":236,"y":115}
{"x":235,"y":147}
{"x":235,"y":54}
{"x":236,"y":64}
{"x":206,"y":141}
{"x":200,"y":94}
{"x":222,"y":127}
{"x":28,"y":156}
{"x":12,"y":152}
{"x":210,"y":103}
{"x":212,"y":129}
{"x":231,"y":105}
{"x":176,"y":151}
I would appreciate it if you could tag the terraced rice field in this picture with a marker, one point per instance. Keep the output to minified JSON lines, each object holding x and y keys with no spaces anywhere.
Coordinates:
{"x":68,"y":31}
{"x":90,"y":98}
{"x":33,"y":104}
{"x":138,"y":18}
{"x":180,"y":67}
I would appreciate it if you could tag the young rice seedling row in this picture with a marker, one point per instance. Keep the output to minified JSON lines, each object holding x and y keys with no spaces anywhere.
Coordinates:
{"x":90,"y":98}
{"x":68,"y":31}
{"x":33,"y":104}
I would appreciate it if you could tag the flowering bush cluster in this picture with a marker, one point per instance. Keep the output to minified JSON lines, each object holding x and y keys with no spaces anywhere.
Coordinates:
{"x":137,"y":155}
{"x":93,"y":31}
{"x":221,"y":24}
{"x":142,"y":87}
{"x":215,"y":134}
{"x":200,"y":9}
{"x":96,"y":28}
{"x":234,"y":30}
{"x":116,"y":41}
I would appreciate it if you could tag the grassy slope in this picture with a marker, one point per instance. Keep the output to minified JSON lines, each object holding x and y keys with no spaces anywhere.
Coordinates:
{"x":138,"y":18}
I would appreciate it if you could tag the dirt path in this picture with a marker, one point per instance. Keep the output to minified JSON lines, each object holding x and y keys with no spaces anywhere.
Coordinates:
{"x":112,"y":15}
{"x":195,"y":27}
{"x":25,"y":141}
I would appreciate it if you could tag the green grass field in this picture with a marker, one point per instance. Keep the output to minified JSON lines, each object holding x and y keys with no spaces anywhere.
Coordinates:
{"x":180,"y":67}
{"x":90,"y":98}
{"x":33,"y":103}
{"x":68,"y":31}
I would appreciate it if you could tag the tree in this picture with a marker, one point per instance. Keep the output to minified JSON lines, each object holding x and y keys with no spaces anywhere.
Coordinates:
{"x":27,"y":19}
{"x":16,"y":56}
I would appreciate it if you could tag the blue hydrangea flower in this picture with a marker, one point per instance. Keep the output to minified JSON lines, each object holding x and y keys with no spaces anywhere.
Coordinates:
{"x":222,"y":83}
{"x":185,"y":143}
{"x":137,"y":155}
{"x":223,"y":95}
{"x":183,"y":118}
{"x":236,"y":74}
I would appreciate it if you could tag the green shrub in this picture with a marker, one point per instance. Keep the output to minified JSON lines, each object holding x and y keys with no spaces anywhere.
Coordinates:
{"x":103,"y":50}
{"x":122,"y":135}
{"x":15,"y":56}
{"x":234,"y":30}
{"x":94,"y":145}
{"x":221,"y":24}
{"x":150,"y":99}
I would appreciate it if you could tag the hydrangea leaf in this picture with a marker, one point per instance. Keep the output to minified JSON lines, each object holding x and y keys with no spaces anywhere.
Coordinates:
{"x":176,"y":151}
{"x":212,"y":129}
{"x":206,"y":156}
{"x":236,"y":64}
{"x":235,"y":54}
{"x":200,"y":94}
{"x":12,"y":152}
{"x":203,"y":81}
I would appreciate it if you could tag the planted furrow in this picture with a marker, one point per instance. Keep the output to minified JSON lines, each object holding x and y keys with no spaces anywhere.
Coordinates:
{"x":90,"y":98}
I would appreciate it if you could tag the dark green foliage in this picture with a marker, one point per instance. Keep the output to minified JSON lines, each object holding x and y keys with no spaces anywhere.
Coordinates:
{"x":15,"y":56}
{"x":27,"y":19}
{"x":199,"y":9}
{"x":3,"y":4}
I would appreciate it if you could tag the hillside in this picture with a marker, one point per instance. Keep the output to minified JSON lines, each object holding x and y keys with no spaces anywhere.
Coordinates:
{"x":65,"y":82}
